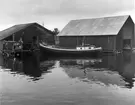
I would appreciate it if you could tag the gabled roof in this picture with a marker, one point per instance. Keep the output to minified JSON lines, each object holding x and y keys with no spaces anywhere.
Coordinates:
{"x":16,"y":28}
{"x":95,"y":26}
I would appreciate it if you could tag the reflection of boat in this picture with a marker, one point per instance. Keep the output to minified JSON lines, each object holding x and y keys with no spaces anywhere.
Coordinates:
{"x":109,"y":70}
{"x":87,"y":71}
{"x":46,"y":65}
{"x":81,"y":63}
{"x":82,"y":60}
{"x":92,"y":61}
{"x":80,"y":50}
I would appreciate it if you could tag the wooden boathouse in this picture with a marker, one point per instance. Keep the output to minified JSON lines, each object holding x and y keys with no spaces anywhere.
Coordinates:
{"x":30,"y":34}
{"x":111,"y":33}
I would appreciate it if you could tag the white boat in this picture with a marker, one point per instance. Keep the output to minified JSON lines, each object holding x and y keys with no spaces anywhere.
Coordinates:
{"x":79,"y":50}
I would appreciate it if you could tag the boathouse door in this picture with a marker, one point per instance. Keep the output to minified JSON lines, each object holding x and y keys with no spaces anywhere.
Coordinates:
{"x":127,"y":44}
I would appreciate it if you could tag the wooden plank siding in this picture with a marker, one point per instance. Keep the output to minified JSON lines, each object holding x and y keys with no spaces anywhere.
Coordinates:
{"x":26,"y":35}
{"x":1,"y":46}
{"x":126,"y":33}
{"x":111,"y":33}
{"x":27,"y":32}
{"x":68,"y":42}
{"x":106,"y":42}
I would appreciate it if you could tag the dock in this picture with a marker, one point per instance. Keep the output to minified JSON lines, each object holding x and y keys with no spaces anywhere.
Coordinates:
{"x":17,"y":49}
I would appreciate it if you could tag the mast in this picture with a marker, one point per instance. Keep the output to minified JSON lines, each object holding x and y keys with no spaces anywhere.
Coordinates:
{"x":83,"y":41}
{"x":77,"y":41}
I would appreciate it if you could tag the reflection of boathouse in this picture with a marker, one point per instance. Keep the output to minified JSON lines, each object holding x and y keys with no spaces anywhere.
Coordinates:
{"x":111,"y":33}
{"x":30,"y":66}
{"x":114,"y":70}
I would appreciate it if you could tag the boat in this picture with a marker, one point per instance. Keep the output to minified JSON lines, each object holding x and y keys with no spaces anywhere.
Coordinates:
{"x":78,"y":51}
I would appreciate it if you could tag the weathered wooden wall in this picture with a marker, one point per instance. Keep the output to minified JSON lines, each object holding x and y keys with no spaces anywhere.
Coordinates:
{"x":126,"y":32}
{"x":106,"y":42}
{"x":30,"y":32}
{"x":1,"y":45}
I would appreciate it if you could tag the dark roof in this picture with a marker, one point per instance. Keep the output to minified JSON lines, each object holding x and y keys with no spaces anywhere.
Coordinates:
{"x":95,"y":26}
{"x":16,"y":28}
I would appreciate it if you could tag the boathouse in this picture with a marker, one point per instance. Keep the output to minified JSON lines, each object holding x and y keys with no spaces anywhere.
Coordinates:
{"x":27,"y":33}
{"x":110,"y":33}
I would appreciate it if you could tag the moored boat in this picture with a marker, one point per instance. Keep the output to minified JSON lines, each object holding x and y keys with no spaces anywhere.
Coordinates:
{"x":78,"y":51}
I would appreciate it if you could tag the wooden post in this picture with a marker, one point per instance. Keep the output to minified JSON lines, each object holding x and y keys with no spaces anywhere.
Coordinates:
{"x":77,"y":42}
{"x":38,"y":42}
{"x":13,"y":37}
{"x":22,"y":51}
{"x":13,"y":44}
{"x":114,"y":43}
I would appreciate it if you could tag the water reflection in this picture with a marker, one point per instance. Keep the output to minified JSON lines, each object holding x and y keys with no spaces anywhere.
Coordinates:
{"x":108,"y":70}
{"x":30,"y":66}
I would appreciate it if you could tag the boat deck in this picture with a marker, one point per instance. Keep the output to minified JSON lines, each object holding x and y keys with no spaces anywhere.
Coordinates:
{"x":64,"y":49}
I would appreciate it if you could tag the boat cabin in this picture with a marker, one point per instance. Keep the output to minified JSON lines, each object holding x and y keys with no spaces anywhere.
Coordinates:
{"x":85,"y":47}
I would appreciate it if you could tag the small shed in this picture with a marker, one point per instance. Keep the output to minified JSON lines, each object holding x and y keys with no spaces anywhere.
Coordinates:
{"x":27,"y":33}
{"x":110,"y":33}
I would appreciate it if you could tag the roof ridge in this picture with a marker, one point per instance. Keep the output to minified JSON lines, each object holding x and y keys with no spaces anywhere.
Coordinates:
{"x":13,"y":29}
{"x":100,"y":17}
{"x":17,"y":25}
{"x":24,"y":24}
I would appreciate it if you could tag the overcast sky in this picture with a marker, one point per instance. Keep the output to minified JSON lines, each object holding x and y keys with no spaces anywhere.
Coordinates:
{"x":57,"y":13}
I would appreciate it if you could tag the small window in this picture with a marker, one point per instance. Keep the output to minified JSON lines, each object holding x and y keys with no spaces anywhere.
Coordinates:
{"x":127,"y":43}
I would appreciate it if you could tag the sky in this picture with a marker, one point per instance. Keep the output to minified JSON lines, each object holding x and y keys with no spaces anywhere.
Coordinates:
{"x":57,"y":13}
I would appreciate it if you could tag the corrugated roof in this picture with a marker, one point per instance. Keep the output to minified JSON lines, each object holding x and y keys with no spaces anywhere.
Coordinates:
{"x":95,"y":26}
{"x":16,"y":28}
{"x":12,"y":30}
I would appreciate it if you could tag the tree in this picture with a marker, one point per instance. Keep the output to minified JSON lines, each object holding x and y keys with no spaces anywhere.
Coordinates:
{"x":56,"y":31}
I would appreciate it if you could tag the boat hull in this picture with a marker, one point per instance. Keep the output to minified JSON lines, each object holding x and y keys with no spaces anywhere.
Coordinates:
{"x":55,"y":52}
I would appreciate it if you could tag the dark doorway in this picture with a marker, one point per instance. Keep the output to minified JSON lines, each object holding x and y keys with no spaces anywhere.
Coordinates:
{"x":127,"y":43}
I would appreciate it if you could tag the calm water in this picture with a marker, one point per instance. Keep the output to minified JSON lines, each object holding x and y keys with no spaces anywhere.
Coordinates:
{"x":108,"y":80}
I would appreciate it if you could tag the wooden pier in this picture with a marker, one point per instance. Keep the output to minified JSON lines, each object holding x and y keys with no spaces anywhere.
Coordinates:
{"x":18,"y":49}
